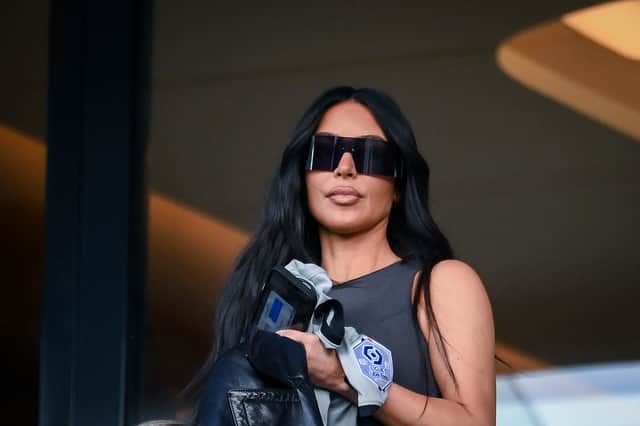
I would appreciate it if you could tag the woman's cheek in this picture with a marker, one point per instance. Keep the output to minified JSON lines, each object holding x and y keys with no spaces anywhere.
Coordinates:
{"x":315,"y":200}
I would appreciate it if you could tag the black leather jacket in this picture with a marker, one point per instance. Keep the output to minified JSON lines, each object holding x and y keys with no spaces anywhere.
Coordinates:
{"x":262,"y":382}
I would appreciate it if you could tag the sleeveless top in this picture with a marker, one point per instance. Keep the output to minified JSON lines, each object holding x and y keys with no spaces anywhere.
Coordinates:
{"x":378,"y":304}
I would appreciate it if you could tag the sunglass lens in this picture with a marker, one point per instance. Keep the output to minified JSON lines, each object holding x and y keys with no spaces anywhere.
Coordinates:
{"x":321,"y":154}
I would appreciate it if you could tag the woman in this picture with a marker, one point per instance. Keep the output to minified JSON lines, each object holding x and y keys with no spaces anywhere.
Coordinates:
{"x":392,"y":267}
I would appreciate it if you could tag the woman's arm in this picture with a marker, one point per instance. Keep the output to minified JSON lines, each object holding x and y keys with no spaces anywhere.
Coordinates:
{"x":463,"y":312}
{"x":462,"y":309}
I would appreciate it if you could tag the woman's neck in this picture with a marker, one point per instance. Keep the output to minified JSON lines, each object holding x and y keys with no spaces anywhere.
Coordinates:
{"x":345,"y":257}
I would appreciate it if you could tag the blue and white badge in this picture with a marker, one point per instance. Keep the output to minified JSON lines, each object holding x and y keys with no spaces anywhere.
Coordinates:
{"x":375,"y":362}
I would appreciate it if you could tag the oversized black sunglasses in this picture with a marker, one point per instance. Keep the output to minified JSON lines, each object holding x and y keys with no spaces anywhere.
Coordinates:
{"x":371,"y":154}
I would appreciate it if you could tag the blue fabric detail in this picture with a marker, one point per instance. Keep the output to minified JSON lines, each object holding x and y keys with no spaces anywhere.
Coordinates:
{"x":375,"y":362}
{"x":275,"y":310}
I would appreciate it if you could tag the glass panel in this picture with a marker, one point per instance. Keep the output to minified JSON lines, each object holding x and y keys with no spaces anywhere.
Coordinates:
{"x":23,"y":84}
{"x":607,"y":393}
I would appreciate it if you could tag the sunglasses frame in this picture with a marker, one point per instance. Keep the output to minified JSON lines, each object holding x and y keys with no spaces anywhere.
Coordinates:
{"x":349,"y":144}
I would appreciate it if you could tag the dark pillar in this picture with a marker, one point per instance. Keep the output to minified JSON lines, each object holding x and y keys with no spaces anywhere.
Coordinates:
{"x":93,"y":306}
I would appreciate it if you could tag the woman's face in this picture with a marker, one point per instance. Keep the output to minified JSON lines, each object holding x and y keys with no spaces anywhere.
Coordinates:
{"x":344,"y":201}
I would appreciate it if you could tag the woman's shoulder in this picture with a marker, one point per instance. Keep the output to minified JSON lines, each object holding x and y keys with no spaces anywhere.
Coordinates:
{"x":449,"y":270}
{"x":454,"y":270}
{"x":454,"y":280}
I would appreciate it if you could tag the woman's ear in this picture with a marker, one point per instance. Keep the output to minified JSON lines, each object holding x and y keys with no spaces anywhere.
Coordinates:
{"x":396,"y":196}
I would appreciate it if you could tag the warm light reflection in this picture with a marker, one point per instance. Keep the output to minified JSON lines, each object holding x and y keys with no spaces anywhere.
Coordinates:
{"x":22,"y":192}
{"x":554,"y":60}
{"x":518,"y":360}
{"x":615,"y":25}
{"x":190,"y":254}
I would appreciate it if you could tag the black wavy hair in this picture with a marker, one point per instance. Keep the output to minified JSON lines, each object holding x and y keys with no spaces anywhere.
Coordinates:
{"x":288,"y":230}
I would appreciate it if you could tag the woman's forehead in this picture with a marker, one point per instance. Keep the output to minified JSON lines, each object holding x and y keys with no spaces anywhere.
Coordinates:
{"x":350,"y":119}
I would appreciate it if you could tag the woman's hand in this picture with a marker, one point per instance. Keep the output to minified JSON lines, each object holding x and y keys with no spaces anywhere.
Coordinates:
{"x":324,"y":367}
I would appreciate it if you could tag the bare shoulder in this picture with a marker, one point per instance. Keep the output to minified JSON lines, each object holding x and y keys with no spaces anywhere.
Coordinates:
{"x":454,"y":280}
{"x":454,"y":269}
{"x":458,"y":297}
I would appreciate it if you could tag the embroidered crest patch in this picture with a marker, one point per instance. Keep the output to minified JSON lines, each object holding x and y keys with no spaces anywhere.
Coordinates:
{"x":375,"y":362}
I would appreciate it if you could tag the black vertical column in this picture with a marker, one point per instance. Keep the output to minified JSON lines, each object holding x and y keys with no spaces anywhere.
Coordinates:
{"x":93,"y":307}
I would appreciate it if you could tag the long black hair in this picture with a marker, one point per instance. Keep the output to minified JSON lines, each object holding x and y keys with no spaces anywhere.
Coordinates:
{"x":288,"y":230}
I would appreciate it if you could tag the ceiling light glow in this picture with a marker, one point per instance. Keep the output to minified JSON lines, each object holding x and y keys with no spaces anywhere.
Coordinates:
{"x":614,"y":25}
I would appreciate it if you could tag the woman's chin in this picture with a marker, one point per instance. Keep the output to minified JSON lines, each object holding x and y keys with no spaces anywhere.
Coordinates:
{"x":344,"y":227}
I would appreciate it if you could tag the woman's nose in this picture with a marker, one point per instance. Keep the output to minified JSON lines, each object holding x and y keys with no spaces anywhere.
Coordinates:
{"x":346,"y":166}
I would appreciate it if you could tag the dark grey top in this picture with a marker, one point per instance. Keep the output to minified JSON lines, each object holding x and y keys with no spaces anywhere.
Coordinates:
{"x":378,"y":304}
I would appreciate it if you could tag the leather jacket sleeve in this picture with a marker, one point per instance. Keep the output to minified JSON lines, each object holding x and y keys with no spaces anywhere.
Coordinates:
{"x":262,"y":382}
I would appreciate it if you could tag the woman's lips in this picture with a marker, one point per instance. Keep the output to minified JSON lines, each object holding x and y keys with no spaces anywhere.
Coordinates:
{"x":344,"y":195}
